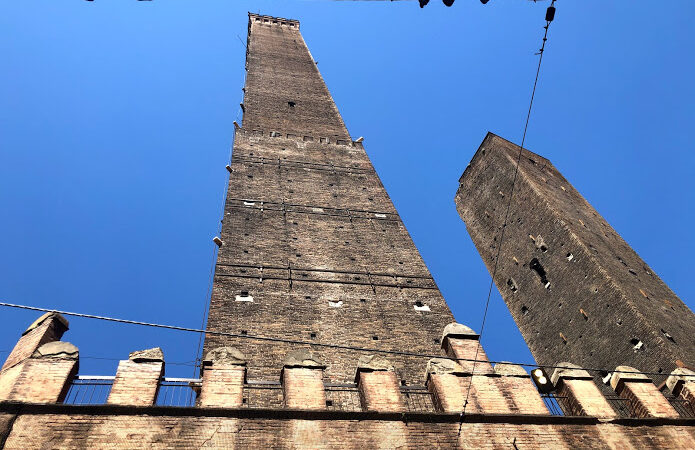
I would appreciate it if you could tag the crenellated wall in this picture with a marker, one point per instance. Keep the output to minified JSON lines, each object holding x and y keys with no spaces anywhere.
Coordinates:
{"x":504,"y":407}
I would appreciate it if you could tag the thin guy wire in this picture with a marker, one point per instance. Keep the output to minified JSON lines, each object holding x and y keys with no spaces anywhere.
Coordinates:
{"x":315,"y":344}
{"x":506,"y":217}
{"x":206,"y":306}
{"x":212,"y":268}
{"x":208,"y":298}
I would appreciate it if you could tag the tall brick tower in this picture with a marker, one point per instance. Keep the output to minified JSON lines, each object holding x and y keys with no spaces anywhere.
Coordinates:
{"x":575,"y":288}
{"x":313,"y":249}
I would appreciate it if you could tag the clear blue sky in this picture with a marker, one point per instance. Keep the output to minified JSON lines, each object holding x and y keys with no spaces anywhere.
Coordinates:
{"x":116,"y":124}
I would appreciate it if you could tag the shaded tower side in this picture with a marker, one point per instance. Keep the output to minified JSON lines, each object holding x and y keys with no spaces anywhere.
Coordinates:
{"x":314,"y":249}
{"x":576,"y":289}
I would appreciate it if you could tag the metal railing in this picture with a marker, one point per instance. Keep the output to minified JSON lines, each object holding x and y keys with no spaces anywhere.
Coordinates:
{"x":684,"y":407}
{"x":182,"y":392}
{"x":417,"y":399}
{"x":552,"y":402}
{"x":89,"y":390}
{"x":620,"y":405}
{"x":263,"y":394}
{"x":342,"y":397}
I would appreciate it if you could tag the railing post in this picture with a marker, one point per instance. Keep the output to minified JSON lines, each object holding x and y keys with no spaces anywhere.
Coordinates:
{"x":378,"y":385}
{"x":583,"y":397}
{"x":645,"y":399}
{"x":302,"y":381}
{"x":137,"y":379}
{"x":224,"y":375}
{"x":45,"y":377}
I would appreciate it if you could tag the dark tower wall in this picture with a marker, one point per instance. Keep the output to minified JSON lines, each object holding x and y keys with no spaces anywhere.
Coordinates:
{"x":575,"y":288}
{"x":309,"y":232}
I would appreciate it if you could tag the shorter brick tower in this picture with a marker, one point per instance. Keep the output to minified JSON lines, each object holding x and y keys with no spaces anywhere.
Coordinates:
{"x":575,"y":288}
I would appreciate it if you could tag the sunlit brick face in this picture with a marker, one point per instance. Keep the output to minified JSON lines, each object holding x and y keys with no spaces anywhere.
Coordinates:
{"x":576,"y":289}
{"x":314,"y":249}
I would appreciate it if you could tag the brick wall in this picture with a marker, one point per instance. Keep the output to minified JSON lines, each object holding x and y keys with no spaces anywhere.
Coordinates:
{"x":504,"y":409}
{"x":313,"y":248}
{"x":71,"y":429}
{"x":598,"y":303}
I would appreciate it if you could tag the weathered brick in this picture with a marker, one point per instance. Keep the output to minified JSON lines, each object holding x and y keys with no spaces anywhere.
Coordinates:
{"x":645,"y":399}
{"x":302,"y":381}
{"x":454,"y":389}
{"x":137,"y":379}
{"x":44,"y":377}
{"x":310,"y":233}
{"x":47,"y":328}
{"x":378,"y":385}
{"x":516,"y":385}
{"x":577,"y":291}
{"x":224,"y":375}
{"x":681,"y":383}
{"x":580,"y":395}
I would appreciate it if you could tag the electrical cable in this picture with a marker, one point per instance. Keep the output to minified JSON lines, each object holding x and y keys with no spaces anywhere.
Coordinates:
{"x":549,"y":18}
{"x":310,"y":343}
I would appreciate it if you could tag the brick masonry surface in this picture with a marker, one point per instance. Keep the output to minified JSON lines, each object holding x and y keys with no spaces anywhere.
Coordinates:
{"x":314,"y":249}
{"x":332,"y":264}
{"x":140,"y":430}
{"x":575,"y":288}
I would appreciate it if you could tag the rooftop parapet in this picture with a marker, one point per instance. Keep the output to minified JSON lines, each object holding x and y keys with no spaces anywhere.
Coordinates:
{"x":270,"y":20}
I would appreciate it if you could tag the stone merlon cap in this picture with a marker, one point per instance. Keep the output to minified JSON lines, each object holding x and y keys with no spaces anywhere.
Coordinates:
{"x":457,"y":330}
{"x":302,"y":358}
{"x":632,"y":375}
{"x":225,"y":356}
{"x":60,"y":320}
{"x":149,"y":355}
{"x":572,"y":372}
{"x":373,"y":363}
{"x":57,"y":349}
{"x":507,"y":369}
{"x":443,"y":366}
{"x":679,"y":376}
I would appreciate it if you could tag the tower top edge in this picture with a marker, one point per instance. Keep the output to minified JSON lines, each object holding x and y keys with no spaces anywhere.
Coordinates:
{"x":272,"y":19}
{"x":489,"y":142}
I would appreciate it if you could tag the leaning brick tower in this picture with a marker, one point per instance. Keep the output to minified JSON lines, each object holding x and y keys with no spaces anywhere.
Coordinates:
{"x":313,"y":248}
{"x":576,"y":289}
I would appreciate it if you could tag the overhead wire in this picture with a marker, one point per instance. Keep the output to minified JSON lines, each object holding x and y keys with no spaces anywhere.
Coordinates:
{"x":310,"y":343}
{"x":549,"y":17}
